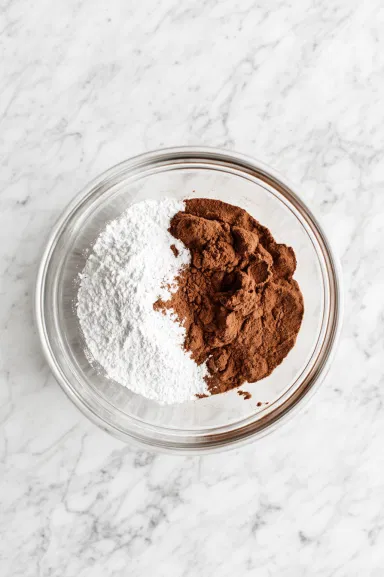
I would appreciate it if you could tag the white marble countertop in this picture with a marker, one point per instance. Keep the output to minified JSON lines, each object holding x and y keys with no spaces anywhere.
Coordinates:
{"x":299,"y":85}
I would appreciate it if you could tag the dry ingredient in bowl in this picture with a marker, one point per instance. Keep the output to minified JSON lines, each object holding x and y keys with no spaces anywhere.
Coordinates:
{"x":131,"y":266}
{"x":237,"y":300}
{"x":180,"y":300}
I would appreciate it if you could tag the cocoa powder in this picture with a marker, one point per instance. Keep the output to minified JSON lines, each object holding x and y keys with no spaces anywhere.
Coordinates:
{"x":237,"y":300}
{"x":244,"y":394}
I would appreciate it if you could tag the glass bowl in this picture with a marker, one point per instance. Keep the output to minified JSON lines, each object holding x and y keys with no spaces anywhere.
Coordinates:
{"x":219,"y":421}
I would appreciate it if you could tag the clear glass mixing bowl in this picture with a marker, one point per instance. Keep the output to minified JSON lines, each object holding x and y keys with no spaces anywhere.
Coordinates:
{"x":222,"y":420}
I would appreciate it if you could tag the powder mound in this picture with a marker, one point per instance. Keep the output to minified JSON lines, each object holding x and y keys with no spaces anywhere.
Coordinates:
{"x":132,"y":264}
{"x":236,"y":299}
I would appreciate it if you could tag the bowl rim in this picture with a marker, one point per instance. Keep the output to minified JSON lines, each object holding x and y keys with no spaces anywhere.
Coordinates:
{"x":208,"y":441}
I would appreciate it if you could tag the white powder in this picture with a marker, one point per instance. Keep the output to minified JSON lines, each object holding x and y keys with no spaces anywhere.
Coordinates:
{"x":128,"y":270}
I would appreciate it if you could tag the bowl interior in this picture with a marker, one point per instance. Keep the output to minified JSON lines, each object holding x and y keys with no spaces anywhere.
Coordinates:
{"x":74,"y":239}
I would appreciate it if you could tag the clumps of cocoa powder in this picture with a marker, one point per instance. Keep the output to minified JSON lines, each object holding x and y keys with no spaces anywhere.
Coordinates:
{"x":237,"y":300}
{"x":175,"y":250}
{"x":244,"y":394}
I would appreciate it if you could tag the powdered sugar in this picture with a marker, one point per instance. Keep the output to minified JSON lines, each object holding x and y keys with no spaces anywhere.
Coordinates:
{"x":130,"y":267}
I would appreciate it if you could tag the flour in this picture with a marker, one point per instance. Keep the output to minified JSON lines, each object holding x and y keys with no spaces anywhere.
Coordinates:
{"x":130,"y":267}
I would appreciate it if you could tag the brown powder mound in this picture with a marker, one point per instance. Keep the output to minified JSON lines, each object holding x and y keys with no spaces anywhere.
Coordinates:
{"x":237,"y":299}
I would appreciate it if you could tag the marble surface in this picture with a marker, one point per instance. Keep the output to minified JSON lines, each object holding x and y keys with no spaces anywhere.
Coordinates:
{"x":299,"y":85}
